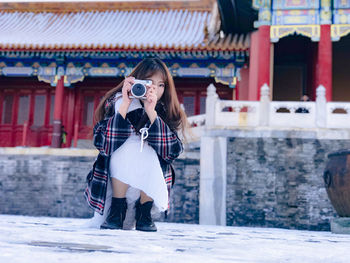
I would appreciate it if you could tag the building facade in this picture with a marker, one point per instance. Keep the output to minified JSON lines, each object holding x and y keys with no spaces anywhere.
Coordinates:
{"x":299,"y":45}
{"x":57,"y":62}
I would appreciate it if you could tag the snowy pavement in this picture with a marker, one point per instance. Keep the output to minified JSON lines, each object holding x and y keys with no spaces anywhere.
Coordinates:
{"x":44,"y":239}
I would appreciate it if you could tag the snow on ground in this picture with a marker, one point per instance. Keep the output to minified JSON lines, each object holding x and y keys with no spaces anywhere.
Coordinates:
{"x":44,"y":239}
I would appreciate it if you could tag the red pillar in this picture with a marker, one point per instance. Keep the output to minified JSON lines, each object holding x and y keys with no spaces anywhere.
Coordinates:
{"x":57,"y":115}
{"x":70,"y":120}
{"x":243,"y":85}
{"x":252,"y":93}
{"x":324,"y":61}
{"x":264,"y":57}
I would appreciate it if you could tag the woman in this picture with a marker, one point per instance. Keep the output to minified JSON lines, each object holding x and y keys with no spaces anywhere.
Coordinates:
{"x":137,"y":142}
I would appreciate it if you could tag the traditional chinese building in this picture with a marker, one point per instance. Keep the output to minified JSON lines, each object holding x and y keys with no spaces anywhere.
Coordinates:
{"x":255,"y":165}
{"x":298,"y":45}
{"x":57,"y":60}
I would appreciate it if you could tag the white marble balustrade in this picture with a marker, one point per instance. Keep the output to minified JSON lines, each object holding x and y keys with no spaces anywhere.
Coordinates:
{"x":267,"y":113}
{"x":291,"y":113}
{"x":338,"y":115}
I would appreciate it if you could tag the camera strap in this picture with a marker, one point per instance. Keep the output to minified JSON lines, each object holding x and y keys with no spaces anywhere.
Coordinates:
{"x":144,"y":135}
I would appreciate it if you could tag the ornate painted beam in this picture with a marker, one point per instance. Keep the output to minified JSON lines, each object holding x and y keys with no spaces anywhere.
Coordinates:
{"x":75,"y":66}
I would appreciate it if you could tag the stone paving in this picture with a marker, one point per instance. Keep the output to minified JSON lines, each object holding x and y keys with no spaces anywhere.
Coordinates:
{"x":44,"y":239}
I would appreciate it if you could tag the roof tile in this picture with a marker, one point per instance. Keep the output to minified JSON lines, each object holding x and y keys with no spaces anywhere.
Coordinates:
{"x":140,"y":30}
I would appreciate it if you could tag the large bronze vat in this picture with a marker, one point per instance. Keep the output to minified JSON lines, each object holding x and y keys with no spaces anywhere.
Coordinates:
{"x":337,"y":181}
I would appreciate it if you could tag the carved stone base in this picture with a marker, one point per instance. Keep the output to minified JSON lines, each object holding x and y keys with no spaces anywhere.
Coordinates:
{"x":340,"y":225}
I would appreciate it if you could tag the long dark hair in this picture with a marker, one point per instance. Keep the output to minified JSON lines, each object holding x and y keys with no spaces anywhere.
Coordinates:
{"x":175,"y":117}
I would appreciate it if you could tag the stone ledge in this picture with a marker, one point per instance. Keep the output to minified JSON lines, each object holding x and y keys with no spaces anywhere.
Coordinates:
{"x":267,"y":132}
{"x":47,"y":151}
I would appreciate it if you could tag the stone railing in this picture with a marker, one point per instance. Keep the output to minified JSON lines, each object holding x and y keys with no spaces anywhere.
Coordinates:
{"x":338,"y":115}
{"x":290,"y":113}
{"x":241,"y":113}
{"x":267,"y":113}
{"x":197,"y":120}
{"x":197,"y":123}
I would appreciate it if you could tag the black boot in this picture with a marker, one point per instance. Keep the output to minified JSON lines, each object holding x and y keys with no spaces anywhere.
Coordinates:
{"x":143,"y":217}
{"x":116,"y":214}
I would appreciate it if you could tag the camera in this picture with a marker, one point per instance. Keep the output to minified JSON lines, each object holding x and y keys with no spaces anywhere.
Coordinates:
{"x":139,"y":89}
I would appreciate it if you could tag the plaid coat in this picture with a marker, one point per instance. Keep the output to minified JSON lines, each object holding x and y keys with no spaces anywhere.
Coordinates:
{"x":110,"y":134}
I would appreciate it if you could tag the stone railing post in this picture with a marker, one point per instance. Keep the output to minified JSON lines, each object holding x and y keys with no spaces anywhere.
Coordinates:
{"x":212,"y":192}
{"x":264,"y":105}
{"x":210,"y":106}
{"x":321,"y":107}
{"x":212,"y":185}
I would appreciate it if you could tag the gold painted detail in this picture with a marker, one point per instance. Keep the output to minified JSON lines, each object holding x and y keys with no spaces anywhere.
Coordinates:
{"x":343,"y":19}
{"x":72,"y":79}
{"x":311,"y":31}
{"x":326,"y":15}
{"x":48,"y":79}
{"x":212,"y":73}
{"x":229,"y":81}
{"x":265,"y":15}
{"x":326,"y":3}
{"x":36,"y":65}
{"x":52,"y":75}
{"x":261,"y":3}
{"x":104,"y":71}
{"x":67,"y":79}
{"x":338,"y":31}
{"x":226,"y":72}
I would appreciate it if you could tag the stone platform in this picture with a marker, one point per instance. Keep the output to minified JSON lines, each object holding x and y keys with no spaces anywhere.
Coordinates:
{"x":340,"y":225}
{"x":43,"y":239}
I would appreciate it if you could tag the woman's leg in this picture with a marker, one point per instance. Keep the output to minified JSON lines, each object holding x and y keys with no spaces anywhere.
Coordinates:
{"x":119,"y":188}
{"x":144,"y":220}
{"x":117,"y":212}
{"x":144,"y":198}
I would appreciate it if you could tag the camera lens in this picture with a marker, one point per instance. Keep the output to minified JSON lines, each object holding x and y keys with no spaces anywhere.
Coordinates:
{"x":138,"y":90}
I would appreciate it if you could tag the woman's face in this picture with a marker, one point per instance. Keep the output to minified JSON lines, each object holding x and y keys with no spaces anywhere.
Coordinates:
{"x":158,"y":83}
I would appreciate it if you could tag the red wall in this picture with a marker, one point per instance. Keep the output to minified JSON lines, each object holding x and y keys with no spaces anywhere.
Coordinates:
{"x":74,"y":112}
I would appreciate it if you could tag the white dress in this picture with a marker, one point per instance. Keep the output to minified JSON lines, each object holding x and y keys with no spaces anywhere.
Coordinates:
{"x":141,"y":170}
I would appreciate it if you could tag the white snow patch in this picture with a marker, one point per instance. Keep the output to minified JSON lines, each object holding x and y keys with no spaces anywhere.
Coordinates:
{"x":44,"y":239}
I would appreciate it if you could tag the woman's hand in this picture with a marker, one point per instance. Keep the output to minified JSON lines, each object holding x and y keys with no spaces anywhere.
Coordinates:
{"x":123,"y":109}
{"x":128,"y":82}
{"x":150,"y":103}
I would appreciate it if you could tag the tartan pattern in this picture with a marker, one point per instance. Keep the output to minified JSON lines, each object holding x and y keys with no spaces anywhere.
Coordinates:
{"x":164,"y":141}
{"x":109,"y":135}
{"x":95,"y":192}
